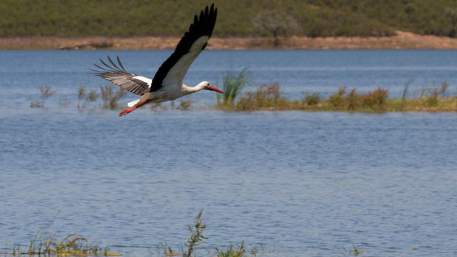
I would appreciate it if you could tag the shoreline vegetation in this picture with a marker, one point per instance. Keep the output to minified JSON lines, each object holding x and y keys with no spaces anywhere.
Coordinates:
{"x":399,"y":40}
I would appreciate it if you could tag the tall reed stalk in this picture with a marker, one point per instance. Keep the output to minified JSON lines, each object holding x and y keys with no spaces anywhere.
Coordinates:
{"x":233,"y":84}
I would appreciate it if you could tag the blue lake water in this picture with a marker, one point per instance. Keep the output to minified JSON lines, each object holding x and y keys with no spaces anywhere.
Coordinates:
{"x":290,"y":183}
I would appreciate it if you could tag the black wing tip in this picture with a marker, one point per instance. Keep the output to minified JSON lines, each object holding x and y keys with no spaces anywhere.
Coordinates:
{"x":211,"y":8}
{"x":209,"y":11}
{"x":108,"y":65}
{"x":205,"y":21}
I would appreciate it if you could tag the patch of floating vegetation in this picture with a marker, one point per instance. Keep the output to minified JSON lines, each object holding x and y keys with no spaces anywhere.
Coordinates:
{"x":236,"y":251}
{"x":269,"y":97}
{"x":72,"y":245}
{"x":196,"y":237}
{"x":77,"y":246}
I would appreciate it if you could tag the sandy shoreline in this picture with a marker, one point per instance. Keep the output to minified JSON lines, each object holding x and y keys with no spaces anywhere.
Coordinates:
{"x":402,"y":40}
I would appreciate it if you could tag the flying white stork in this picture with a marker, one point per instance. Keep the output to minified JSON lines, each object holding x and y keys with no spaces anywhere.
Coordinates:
{"x":167,"y":83}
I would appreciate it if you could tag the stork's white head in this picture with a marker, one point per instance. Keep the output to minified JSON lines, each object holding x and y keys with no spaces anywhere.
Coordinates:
{"x":205,"y":85}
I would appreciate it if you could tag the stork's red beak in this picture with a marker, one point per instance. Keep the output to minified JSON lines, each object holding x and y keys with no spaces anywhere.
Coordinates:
{"x":215,"y":89}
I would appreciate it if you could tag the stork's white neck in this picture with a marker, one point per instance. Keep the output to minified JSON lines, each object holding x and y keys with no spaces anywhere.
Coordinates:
{"x":187,"y":90}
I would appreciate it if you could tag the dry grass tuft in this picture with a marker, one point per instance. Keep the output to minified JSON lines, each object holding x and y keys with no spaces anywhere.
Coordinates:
{"x":266,"y":97}
{"x":110,"y":97}
{"x":46,"y":92}
{"x":337,"y":99}
{"x":185,"y":105}
{"x":312,"y":99}
{"x":232,"y":251}
{"x":72,"y":245}
{"x":36,"y":104}
{"x":196,"y":235}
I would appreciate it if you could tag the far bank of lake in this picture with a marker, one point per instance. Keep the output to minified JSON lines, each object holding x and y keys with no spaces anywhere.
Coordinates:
{"x":401,"y":40}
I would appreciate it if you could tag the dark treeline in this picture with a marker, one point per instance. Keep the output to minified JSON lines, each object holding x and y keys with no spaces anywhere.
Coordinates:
{"x":237,"y":17}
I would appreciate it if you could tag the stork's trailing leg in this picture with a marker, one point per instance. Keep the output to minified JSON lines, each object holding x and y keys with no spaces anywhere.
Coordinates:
{"x":127,"y":111}
{"x":142,"y":101}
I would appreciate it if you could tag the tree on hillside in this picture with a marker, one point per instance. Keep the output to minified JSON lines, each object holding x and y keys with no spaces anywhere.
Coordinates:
{"x":451,"y":15}
{"x":275,"y":24}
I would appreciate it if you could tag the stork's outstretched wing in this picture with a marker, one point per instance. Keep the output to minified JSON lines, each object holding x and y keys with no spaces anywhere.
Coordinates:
{"x":172,"y":71}
{"x":118,"y":75}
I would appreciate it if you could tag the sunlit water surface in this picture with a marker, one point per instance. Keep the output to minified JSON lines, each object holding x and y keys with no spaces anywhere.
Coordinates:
{"x":289,"y":184}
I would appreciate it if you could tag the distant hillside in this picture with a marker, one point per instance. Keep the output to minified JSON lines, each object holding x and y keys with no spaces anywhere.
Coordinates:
{"x":237,"y":17}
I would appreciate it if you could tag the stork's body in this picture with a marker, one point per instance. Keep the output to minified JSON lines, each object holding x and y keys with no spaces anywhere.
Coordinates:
{"x":167,"y":95}
{"x":167,"y":83}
